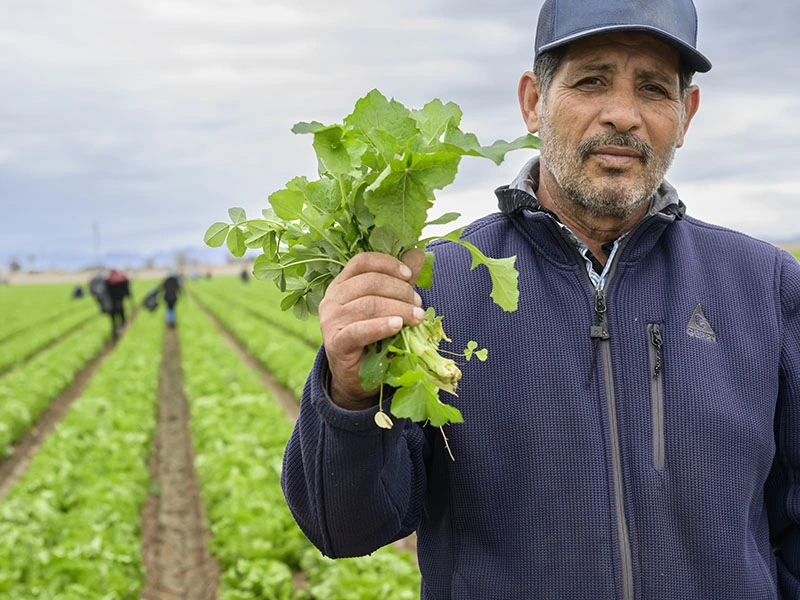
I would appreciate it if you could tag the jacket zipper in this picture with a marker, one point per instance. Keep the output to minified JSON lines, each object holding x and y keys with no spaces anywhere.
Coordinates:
{"x":657,"y":391}
{"x":600,"y":334}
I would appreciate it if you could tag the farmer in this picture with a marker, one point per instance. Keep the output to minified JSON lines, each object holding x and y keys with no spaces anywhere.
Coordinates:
{"x":172,"y":287}
{"x":118,"y":289}
{"x":635,"y":433}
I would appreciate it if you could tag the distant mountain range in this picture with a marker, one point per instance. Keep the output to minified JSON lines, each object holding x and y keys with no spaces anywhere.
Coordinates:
{"x":76,"y":261}
{"x":189,"y":256}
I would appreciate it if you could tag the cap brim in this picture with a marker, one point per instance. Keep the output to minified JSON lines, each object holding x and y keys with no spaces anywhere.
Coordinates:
{"x":694,"y":59}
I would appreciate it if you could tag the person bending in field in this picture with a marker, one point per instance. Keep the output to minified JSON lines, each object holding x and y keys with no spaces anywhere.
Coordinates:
{"x":636,"y":431}
{"x":118,"y":288}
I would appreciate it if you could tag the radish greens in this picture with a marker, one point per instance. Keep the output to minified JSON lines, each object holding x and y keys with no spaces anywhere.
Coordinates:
{"x":378,"y":170}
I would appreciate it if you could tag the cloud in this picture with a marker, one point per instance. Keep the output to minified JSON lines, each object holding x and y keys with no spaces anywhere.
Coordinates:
{"x":159,"y":115}
{"x":761,"y":208}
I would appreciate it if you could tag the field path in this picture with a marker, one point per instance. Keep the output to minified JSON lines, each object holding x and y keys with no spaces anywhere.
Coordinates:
{"x":12,"y":467}
{"x":174,"y":537}
{"x":289,"y":404}
{"x":283,"y":396}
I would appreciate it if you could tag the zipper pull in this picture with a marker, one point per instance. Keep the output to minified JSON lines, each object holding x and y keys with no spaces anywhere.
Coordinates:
{"x":600,"y":330}
{"x":658,"y":343}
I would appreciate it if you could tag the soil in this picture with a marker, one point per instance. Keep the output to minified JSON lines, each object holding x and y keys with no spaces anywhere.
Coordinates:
{"x":175,"y":537}
{"x":292,"y":408}
{"x":174,"y":532}
{"x":282,"y":395}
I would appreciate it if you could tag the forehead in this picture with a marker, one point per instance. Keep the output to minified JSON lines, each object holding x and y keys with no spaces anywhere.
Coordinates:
{"x":624,"y":48}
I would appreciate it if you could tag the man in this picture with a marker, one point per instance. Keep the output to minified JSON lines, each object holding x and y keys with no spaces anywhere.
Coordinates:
{"x":635,"y":433}
{"x":118,"y":289}
{"x":172,"y":287}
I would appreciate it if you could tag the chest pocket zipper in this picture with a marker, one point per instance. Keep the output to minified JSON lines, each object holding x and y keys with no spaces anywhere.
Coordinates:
{"x":656,"y":349}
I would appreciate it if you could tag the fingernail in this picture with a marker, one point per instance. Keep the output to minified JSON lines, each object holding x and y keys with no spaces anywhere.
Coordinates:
{"x":419,"y":313}
{"x":417,"y":299}
{"x":405,"y":272}
{"x":396,"y":322}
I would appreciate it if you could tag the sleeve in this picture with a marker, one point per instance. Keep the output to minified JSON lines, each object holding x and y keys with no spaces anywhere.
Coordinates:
{"x":351,"y":486}
{"x":783,"y":486}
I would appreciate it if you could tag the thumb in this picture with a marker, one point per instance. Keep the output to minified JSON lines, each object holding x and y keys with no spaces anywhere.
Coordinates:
{"x":414,"y":260}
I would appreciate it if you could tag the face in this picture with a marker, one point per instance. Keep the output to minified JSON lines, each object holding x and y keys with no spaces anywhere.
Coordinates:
{"x":611,"y":122}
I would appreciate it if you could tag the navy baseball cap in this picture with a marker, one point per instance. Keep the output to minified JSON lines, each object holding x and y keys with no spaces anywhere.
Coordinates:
{"x":674,"y":21}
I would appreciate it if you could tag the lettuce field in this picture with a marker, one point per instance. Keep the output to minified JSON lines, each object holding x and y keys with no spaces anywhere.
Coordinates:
{"x":149,"y":467}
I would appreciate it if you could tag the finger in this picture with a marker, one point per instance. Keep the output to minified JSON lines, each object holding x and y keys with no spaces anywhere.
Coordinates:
{"x":351,"y":339}
{"x":376,"y":285}
{"x":375,"y":262}
{"x":375,"y":307}
{"x":415,"y":260}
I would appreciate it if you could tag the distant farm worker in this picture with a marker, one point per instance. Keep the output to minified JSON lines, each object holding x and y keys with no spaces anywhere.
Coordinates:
{"x":118,"y":290}
{"x":635,"y":433}
{"x":171,"y":287}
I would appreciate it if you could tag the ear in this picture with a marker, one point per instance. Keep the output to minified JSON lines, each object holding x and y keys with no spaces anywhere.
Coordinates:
{"x":529,"y":97}
{"x":690,"y":104}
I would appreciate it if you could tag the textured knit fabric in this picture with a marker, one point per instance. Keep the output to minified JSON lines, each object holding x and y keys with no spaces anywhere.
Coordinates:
{"x":633,"y":472}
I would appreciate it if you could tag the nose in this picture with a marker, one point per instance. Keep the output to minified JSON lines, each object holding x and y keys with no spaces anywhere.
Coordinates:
{"x":621,"y":110}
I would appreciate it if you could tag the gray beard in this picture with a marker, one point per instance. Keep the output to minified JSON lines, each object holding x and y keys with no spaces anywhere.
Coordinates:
{"x":619,"y":202}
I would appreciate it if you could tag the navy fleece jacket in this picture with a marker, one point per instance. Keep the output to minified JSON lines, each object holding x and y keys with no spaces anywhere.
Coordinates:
{"x":658,"y":461}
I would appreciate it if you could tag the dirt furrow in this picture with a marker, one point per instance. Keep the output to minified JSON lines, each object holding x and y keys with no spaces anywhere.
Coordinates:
{"x":287,"y":401}
{"x":281,"y":394}
{"x":175,"y":537}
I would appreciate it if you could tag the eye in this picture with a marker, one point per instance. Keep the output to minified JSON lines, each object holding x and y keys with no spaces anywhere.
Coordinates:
{"x":589,"y":82}
{"x":655,"y":90}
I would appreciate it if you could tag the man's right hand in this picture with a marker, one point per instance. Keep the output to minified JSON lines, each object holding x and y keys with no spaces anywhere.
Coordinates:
{"x":370,"y":300}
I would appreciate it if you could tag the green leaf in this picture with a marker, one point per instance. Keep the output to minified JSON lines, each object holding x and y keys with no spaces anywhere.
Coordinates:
{"x":425,"y":279}
{"x":505,"y":292}
{"x":264,"y":268}
{"x":444,"y":219}
{"x":262,"y":226}
{"x":216,"y":234}
{"x":400,"y":197}
{"x":418,"y":400}
{"x":311,"y":127}
{"x":332,"y":151}
{"x":287,"y":203}
{"x":498,"y":150}
{"x":375,"y":364}
{"x":300,"y":309}
{"x":324,"y":195}
{"x":467,"y":143}
{"x":435,"y":117}
{"x":375,"y":112}
{"x":236,"y":243}
{"x":383,"y":239}
{"x":237,"y":215}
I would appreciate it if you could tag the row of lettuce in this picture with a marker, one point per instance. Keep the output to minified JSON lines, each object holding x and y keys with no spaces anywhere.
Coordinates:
{"x":50,"y":339}
{"x":239,"y":432}
{"x":25,"y":306}
{"x":36,"y":316}
{"x":71,"y":527}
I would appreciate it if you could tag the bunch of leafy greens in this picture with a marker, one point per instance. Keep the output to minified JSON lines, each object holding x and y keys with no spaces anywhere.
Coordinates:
{"x":377,"y":174}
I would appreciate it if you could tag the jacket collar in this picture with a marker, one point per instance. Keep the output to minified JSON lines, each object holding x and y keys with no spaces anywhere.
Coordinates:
{"x":520,"y":194}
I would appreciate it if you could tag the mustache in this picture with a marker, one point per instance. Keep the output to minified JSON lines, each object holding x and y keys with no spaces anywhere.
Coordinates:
{"x":627,"y":140}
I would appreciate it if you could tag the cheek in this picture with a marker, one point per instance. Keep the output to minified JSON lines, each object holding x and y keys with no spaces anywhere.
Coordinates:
{"x":665,"y":128}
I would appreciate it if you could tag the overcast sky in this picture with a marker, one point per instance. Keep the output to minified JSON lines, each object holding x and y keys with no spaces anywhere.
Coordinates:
{"x":151,"y":118}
